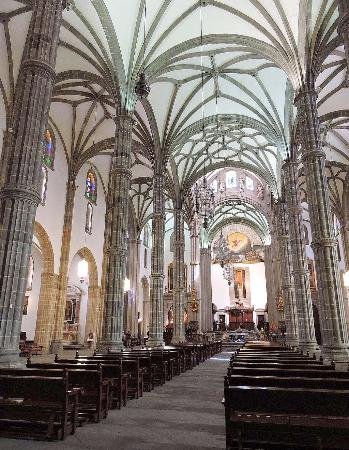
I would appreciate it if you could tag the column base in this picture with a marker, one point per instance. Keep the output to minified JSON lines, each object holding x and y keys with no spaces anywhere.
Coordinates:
{"x":111,"y":346}
{"x":292,"y":342}
{"x":10,"y":358}
{"x":155,"y":343}
{"x":56,"y":347}
{"x":310,"y":347}
{"x":178,"y":339}
{"x":338,"y":355}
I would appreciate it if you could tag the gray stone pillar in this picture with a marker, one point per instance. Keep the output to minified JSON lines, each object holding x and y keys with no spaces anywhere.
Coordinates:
{"x":132,"y":312}
{"x":345,"y":224}
{"x":156,"y":323}
{"x":334,"y":330}
{"x":343,"y":30}
{"x":287,"y":282}
{"x":178,"y":275}
{"x":116,"y":248}
{"x":21,"y":190}
{"x":206,"y":290}
{"x":306,"y":331}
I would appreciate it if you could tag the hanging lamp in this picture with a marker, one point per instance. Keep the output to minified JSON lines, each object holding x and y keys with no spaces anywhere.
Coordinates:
{"x":142,"y":87}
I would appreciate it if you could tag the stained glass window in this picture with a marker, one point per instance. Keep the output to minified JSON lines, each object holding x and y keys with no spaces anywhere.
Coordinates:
{"x":48,"y":154}
{"x":89,"y":217}
{"x":249,"y":184}
{"x":231,"y":179}
{"x":44,"y":181}
{"x":91,"y":186}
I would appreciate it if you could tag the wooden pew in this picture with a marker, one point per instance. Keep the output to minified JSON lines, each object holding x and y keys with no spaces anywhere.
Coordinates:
{"x":130,"y":366}
{"x":286,"y":417}
{"x":279,"y":372}
{"x":95,"y":398}
{"x":37,"y":407}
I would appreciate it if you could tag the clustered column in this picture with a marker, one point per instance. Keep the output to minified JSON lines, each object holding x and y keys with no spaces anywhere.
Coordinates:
{"x":178,"y":275}
{"x":206,"y":290}
{"x":156,"y":323}
{"x":117,"y":246}
{"x":287,"y":283}
{"x":331,"y":305}
{"x":306,"y":331}
{"x":343,"y":29}
{"x":56,"y":344}
{"x":21,"y":191}
{"x":132,"y":312}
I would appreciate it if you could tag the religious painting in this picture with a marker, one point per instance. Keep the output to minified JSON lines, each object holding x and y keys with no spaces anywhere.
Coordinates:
{"x":25,"y":305}
{"x":312,"y":275}
{"x":240,"y":283}
{"x":238,"y":242}
{"x":231,"y":179}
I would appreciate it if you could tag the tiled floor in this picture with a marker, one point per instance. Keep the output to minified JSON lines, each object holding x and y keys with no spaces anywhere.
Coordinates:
{"x":184,"y":414}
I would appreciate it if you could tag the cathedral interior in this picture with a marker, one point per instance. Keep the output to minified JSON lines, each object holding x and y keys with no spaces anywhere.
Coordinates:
{"x":174,"y":185}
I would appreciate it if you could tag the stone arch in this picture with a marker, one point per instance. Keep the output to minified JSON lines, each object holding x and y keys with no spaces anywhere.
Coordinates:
{"x":48,"y":290}
{"x":86,"y":253}
{"x":93,"y":314}
{"x":45,"y":246}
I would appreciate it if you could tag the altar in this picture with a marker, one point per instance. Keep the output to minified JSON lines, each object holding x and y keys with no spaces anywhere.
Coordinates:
{"x":240,"y":316}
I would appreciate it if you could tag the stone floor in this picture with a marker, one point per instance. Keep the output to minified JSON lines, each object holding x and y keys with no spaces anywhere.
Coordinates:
{"x":184,"y":414}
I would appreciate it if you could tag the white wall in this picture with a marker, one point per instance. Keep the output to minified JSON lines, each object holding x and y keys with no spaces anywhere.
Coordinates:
{"x":220,"y":288}
{"x":29,"y":321}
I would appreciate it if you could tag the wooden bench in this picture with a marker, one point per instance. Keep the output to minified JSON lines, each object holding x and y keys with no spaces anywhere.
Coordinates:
{"x":286,"y":417}
{"x":95,"y":398}
{"x":37,"y":407}
{"x":294,"y":372}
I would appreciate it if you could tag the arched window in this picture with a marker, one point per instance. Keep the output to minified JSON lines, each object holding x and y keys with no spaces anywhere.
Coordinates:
{"x":48,"y":154}
{"x":231,"y":179}
{"x":30,"y":274}
{"x":146,"y":235}
{"x":89,"y":217}
{"x":44,"y":185}
{"x":145,"y":258}
{"x":91,"y":186}
{"x":249,"y":184}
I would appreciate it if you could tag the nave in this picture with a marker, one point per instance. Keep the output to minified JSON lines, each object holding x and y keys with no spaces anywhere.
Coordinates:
{"x":185,"y":413}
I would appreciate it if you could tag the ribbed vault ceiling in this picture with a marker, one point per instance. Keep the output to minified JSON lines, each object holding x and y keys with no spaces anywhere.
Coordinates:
{"x":221,"y":100}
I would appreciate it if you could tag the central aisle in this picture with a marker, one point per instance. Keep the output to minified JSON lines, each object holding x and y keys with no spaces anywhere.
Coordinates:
{"x":184,"y":414}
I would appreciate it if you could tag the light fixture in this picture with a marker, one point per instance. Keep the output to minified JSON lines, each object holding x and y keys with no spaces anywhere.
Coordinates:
{"x":228,"y":273}
{"x":204,"y":201}
{"x":346,"y":279}
{"x":142,"y":87}
{"x":82,"y":270}
{"x":127,"y":284}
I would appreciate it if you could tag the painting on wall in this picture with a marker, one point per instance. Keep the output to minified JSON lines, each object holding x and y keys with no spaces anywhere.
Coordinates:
{"x":238,"y":242}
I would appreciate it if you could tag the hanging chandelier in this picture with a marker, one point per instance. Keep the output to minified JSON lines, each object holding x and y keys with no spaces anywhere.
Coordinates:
{"x":221,"y":250}
{"x":204,"y":201}
{"x":142,"y":87}
{"x":228,"y":273}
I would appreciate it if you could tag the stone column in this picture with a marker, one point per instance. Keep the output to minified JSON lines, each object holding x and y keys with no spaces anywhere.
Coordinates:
{"x":146,"y":305}
{"x":331,"y":305}
{"x":60,"y":300}
{"x":21,"y":191}
{"x":206,"y":290}
{"x":287,"y":282}
{"x":343,"y":30}
{"x":46,"y":310}
{"x":156,"y":323}
{"x":195,"y":269}
{"x":306,"y":331}
{"x":345,"y":224}
{"x":132,"y":310}
{"x":269,"y":283}
{"x":117,"y":246}
{"x":178,"y":276}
